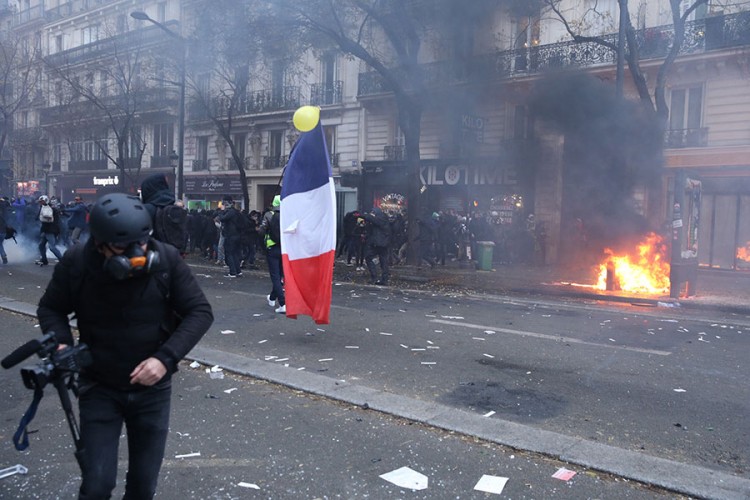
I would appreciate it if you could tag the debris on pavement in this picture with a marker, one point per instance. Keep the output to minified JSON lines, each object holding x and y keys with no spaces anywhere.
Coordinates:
{"x":16,"y":469}
{"x":491,"y":484}
{"x":679,"y":390}
{"x":195,"y":364}
{"x":227,"y":332}
{"x":489,"y":413}
{"x":406,"y":478}
{"x":564,"y":474}
{"x":189,"y":455}
{"x":248,"y":485}
{"x":230,"y":391}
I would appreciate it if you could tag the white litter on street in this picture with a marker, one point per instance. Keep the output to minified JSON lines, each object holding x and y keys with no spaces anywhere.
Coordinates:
{"x":406,"y":478}
{"x":248,"y":485}
{"x":491,"y":484}
{"x":230,"y":391}
{"x":195,"y":364}
{"x":680,"y":390}
{"x":189,"y":455}
{"x":226,"y":332}
{"x":489,"y":413}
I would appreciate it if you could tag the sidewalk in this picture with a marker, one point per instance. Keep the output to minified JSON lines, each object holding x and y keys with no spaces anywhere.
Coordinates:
{"x":726,"y":291}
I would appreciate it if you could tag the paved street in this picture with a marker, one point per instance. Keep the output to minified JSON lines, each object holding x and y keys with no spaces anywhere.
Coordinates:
{"x":656,"y":382}
{"x":288,"y":444}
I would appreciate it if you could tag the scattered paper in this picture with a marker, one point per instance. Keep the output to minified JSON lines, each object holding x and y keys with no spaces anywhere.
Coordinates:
{"x":564,"y":474}
{"x":248,"y":485}
{"x":491,"y":484}
{"x":488,"y":355}
{"x":195,"y":364}
{"x":428,"y":363}
{"x":489,"y":413}
{"x":230,"y":391}
{"x":325,"y":359}
{"x":351,"y":347}
{"x":452,"y":317}
{"x":216,"y":368}
{"x":225,"y":332}
{"x":385,"y":333}
{"x":189,"y":455}
{"x":680,"y":390}
{"x":16,"y":469}
{"x":406,"y":478}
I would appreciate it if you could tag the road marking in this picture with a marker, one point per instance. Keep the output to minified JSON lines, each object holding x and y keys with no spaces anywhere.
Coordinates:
{"x":544,"y":336}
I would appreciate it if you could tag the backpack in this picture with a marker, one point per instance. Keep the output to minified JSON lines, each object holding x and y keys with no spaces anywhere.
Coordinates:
{"x":170,"y":226}
{"x":10,"y":232}
{"x":274,"y":228}
{"x":46,"y":214}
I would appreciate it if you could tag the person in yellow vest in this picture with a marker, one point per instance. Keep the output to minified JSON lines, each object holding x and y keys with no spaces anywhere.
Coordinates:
{"x":270,"y":226}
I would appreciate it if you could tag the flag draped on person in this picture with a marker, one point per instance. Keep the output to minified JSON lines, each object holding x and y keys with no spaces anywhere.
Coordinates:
{"x":308,"y":228}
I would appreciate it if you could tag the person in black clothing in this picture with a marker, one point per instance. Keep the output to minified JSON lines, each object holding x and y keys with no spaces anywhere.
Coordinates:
{"x":229,"y":218}
{"x":155,"y":193}
{"x":125,"y":289}
{"x":377,"y":242}
{"x":48,"y":232}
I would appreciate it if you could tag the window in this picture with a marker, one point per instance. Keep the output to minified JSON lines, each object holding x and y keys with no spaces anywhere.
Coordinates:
{"x":104,"y":83}
{"x":59,"y":43}
{"x":699,"y":12}
{"x":201,"y":163}
{"x":686,"y":108}
{"x":239,"y":144}
{"x":135,"y":142}
{"x":122,"y":23}
{"x":163,"y":139}
{"x":277,"y":82}
{"x":161,"y":12}
{"x":685,"y":118}
{"x":203,"y":83}
{"x":275,"y":143}
{"x":89,"y":34}
{"x":329,"y":132}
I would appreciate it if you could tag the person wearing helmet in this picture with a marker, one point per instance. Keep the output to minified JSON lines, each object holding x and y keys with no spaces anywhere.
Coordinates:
{"x":49,"y":216}
{"x":139,"y":310}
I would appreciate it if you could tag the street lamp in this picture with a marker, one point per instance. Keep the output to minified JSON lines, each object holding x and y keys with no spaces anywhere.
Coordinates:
{"x":179,"y":182}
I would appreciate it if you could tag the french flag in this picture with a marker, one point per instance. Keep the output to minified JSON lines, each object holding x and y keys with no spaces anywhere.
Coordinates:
{"x":308,"y":228}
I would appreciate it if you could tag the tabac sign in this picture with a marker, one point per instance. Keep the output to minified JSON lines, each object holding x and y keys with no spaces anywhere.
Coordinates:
{"x":207,"y":184}
{"x":465,"y":175}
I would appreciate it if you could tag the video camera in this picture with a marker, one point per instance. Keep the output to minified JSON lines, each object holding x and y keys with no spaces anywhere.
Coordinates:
{"x":58,"y":367}
{"x":54,"y":364}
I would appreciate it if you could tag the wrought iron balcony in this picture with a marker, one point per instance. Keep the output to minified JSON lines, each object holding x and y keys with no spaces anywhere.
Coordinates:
{"x":394,"y":153}
{"x":686,"y":138}
{"x":29,"y":136}
{"x":85,"y":165}
{"x":719,"y":32}
{"x":270,"y":162}
{"x":142,"y":102}
{"x":256,"y":102}
{"x":28,"y":15}
{"x":201,"y":165}
{"x":322,"y":94}
{"x":70,"y":8}
{"x":335,"y":159}
{"x":158,"y":161}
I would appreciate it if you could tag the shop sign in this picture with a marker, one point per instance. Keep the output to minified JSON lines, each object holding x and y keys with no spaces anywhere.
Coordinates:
{"x":110,"y":180}
{"x":211,"y":184}
{"x":434,"y":175}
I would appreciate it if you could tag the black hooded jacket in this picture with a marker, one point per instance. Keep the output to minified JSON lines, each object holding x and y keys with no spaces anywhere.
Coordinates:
{"x":125,"y":321}
{"x":155,"y":192}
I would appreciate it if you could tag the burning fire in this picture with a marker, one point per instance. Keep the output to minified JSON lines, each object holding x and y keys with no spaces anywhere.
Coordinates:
{"x":743,"y":253}
{"x":645,"y":270}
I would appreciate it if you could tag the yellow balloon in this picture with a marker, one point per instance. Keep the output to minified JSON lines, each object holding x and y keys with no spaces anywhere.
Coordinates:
{"x":306,"y":118}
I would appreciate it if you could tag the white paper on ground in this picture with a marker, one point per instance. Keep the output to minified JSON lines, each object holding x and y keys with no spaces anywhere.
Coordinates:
{"x":248,"y":485}
{"x":406,"y":478}
{"x":491,"y":484}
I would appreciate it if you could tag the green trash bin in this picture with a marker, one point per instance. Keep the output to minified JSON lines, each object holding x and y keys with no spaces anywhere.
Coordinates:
{"x":484,"y":255}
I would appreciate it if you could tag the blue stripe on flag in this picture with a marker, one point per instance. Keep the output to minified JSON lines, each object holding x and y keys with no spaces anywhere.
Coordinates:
{"x":309,"y":166}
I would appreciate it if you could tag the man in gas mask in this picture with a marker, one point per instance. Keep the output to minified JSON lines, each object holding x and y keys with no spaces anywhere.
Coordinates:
{"x":140,"y":310}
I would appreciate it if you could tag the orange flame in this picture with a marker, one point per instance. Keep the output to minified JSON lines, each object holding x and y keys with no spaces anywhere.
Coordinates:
{"x":646,"y":270}
{"x":743,"y":253}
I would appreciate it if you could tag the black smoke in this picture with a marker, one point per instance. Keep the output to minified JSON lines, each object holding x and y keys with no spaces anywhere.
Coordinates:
{"x":612,"y":145}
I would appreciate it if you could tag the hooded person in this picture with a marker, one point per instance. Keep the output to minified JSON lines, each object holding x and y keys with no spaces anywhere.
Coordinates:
{"x":169,"y":219}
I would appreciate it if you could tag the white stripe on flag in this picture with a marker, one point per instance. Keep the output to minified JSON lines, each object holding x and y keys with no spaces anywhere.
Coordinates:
{"x":308,"y":222}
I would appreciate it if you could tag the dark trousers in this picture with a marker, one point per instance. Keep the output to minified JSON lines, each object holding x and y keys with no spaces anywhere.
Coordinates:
{"x":382,"y":253}
{"x":276,"y":270}
{"x":232,"y":253}
{"x":43,"y":241}
{"x":145,"y":414}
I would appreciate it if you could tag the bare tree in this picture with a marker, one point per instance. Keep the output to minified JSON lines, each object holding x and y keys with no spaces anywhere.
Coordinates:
{"x":111,"y":91}
{"x":222,"y":53}
{"x":388,"y":36}
{"x":19,"y":78}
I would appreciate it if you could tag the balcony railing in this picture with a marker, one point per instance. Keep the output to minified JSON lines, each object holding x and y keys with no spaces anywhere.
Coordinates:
{"x":394,"y":153}
{"x":335,"y":159}
{"x":158,"y":161}
{"x":322,"y":94}
{"x":259,"y":101}
{"x":28,"y":15}
{"x":143,"y":101}
{"x":117,"y":44}
{"x":81,"y":165}
{"x":274,"y":161}
{"x":73,"y":7}
{"x":201,"y":165}
{"x":686,"y":138}
{"x":719,"y":32}
{"x":31,"y":136}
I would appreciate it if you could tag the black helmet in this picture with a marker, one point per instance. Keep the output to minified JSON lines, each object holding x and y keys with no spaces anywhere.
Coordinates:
{"x":119,"y":218}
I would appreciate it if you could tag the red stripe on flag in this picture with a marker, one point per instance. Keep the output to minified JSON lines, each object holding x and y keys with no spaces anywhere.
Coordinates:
{"x":307,"y":286}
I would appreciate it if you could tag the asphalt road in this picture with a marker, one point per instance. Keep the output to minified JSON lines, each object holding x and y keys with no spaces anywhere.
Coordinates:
{"x":665,"y":383}
{"x":252,"y":439}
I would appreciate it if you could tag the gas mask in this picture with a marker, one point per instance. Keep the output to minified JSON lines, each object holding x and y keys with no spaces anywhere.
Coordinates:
{"x":134,"y":261}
